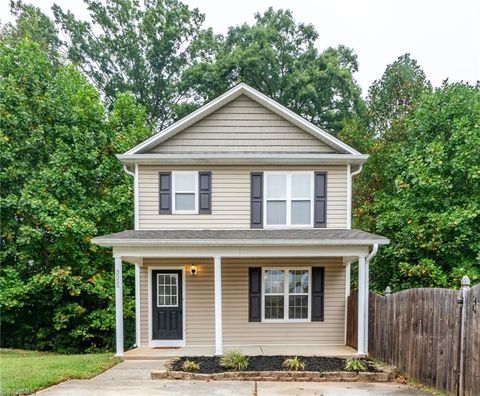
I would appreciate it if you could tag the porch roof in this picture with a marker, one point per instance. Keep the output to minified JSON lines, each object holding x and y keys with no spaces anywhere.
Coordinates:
{"x":250,"y":237}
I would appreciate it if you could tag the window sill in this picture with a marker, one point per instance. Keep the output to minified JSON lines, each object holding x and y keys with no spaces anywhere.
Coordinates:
{"x":286,"y":321}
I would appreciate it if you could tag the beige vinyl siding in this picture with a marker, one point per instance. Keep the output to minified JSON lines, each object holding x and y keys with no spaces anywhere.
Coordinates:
{"x":231,"y":197}
{"x":237,"y":330}
{"x":243,"y":126}
{"x":198,"y":299}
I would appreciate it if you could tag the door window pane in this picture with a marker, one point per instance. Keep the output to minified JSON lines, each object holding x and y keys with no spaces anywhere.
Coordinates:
{"x":167,"y":290}
{"x":301,"y":185}
{"x":185,"y":182}
{"x":274,"y":307}
{"x":300,"y":212}
{"x":276,"y":186}
{"x":276,"y":212}
{"x":184,"y":201}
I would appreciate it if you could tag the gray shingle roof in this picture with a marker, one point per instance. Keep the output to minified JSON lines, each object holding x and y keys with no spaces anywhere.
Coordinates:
{"x":241,"y":237}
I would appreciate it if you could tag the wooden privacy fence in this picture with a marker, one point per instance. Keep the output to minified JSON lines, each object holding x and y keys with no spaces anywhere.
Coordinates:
{"x":420,"y":332}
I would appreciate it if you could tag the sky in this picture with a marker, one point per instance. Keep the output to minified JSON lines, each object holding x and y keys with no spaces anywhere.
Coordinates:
{"x":442,"y":35}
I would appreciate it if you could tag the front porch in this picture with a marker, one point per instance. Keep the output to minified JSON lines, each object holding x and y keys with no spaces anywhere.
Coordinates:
{"x":223,"y":305}
{"x":146,"y":353}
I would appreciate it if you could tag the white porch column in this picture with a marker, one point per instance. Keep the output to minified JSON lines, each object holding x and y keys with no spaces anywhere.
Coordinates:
{"x":217,"y":262}
{"x":361,"y":306}
{"x":137,"y":305}
{"x":119,"y":305}
{"x":367,"y":280}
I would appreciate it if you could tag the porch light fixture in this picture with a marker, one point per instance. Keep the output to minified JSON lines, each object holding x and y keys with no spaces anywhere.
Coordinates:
{"x":193,"y":270}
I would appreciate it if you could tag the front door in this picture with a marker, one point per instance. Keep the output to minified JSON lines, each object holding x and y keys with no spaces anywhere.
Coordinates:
{"x":167,"y":305}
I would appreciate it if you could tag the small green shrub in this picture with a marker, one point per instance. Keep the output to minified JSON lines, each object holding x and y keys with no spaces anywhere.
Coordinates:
{"x":294,"y":364}
{"x":191,"y":366}
{"x":234,"y":360}
{"x":352,"y":364}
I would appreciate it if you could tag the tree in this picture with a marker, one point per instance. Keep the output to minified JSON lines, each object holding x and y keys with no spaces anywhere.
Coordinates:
{"x":277,"y":56}
{"x":391,"y":98}
{"x":32,"y":23}
{"x":142,"y":49}
{"x":61,"y":185}
{"x":431,"y":213}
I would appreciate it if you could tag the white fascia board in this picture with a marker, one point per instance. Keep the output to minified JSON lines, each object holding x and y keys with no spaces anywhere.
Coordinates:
{"x":239,"y":159}
{"x":242,"y":89}
{"x":236,"y":242}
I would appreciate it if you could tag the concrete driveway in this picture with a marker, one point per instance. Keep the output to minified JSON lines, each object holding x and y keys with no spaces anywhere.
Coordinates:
{"x":132,"y":378}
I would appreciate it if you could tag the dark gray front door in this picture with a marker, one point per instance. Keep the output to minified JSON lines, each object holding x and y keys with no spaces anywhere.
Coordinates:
{"x":167,"y":305}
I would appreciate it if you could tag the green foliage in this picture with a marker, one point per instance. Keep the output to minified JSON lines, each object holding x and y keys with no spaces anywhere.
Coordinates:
{"x":278,"y":56}
{"x":142,"y":49}
{"x":61,"y":185}
{"x":352,"y":364}
{"x":190,"y":366}
{"x":294,"y":364}
{"x":428,"y":201}
{"x":234,"y":360}
{"x":24,"y":372}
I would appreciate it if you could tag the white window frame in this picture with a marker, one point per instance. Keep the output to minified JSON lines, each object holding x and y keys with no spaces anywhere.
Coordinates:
{"x":175,"y":192}
{"x":288,"y":199}
{"x":175,"y":275}
{"x":286,"y":294}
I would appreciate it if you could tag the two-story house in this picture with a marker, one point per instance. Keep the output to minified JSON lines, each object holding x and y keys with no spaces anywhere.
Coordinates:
{"x":243,"y":234}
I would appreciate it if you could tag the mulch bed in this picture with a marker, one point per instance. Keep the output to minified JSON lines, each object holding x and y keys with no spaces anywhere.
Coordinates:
{"x":211,"y":365}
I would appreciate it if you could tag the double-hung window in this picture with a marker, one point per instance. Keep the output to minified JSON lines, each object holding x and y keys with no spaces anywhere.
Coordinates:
{"x":286,"y":294}
{"x":288,"y":199}
{"x":185,"y":192}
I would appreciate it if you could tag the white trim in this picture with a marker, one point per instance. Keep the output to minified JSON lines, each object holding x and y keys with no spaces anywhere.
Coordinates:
{"x":174,"y":192}
{"x":242,"y":159}
{"x":217,"y":264}
{"x":137,"y":306}
{"x":237,"y":242}
{"x":118,"y":306}
{"x":136,"y":203}
{"x":288,"y":199}
{"x":200,"y":251}
{"x":227,"y":97}
{"x":286,"y":294}
{"x":166,"y":343}
{"x":348,"y":275}
{"x":361,"y":307}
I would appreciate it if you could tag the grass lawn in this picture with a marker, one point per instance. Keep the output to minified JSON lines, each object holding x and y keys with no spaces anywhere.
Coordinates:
{"x":24,"y":372}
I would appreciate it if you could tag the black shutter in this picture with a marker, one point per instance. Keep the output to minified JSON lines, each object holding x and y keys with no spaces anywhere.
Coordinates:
{"x":318,"y":288}
{"x":256,"y":204}
{"x":165,"y":193}
{"x":320,"y":204}
{"x":205,"y":192}
{"x":255,"y":294}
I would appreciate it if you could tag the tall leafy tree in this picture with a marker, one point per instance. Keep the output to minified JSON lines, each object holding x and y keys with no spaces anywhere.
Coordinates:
{"x":278,"y":56}
{"x":60,"y":185}
{"x":432,"y":211}
{"x":140,"y":48}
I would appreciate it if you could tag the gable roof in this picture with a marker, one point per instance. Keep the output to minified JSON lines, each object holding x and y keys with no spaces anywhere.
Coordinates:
{"x":235,"y":92}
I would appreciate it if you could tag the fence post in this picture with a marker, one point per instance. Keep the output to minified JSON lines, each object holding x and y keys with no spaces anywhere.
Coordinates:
{"x":465,"y":285}
{"x":388,"y":291}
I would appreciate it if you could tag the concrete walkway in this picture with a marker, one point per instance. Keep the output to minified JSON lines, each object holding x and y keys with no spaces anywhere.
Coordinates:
{"x":132,"y":378}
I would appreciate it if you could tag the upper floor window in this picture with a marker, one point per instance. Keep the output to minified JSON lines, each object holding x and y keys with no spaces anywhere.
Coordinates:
{"x":288,"y":199}
{"x":185,"y":192}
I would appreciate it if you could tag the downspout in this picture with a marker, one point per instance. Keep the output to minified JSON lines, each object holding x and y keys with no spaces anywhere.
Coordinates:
{"x":349,"y":193}
{"x":367,"y":280}
{"x":128,"y":172}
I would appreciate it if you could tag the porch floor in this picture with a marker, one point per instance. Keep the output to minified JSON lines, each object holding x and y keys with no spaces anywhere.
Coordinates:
{"x":146,"y":353}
